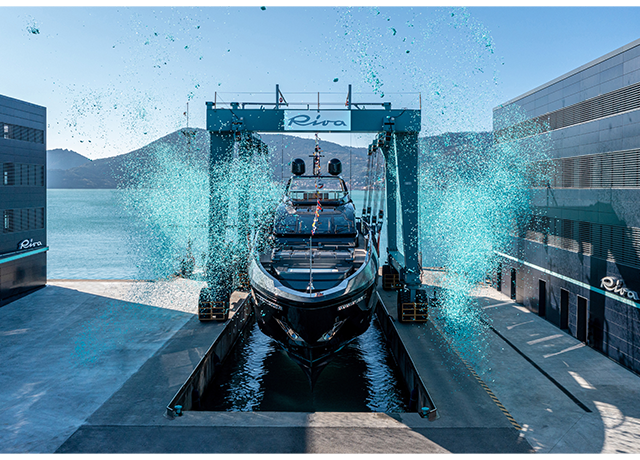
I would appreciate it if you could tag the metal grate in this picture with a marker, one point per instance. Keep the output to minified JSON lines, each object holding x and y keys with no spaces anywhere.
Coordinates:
{"x":617,"y":101}
{"x":614,"y":243}
{"x":619,"y":169}
{"x":415,"y":312}
{"x":213,"y":311}
{"x":391,"y":282}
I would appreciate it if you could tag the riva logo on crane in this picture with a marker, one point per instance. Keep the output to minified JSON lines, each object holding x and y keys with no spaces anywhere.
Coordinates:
{"x":616,"y":286}
{"x":313,"y":120}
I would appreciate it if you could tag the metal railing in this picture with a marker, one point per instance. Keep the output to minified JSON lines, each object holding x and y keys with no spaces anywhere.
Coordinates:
{"x":317,"y":100}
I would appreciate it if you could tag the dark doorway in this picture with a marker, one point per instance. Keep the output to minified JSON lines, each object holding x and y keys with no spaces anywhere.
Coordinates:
{"x":499,"y":278}
{"x":582,"y":320}
{"x":513,"y":284}
{"x":542,"y":298}
{"x":564,"y":309}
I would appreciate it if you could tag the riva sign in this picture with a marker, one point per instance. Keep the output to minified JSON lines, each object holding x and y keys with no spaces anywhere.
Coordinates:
{"x":616,"y":286}
{"x":313,"y":120}
{"x":28,"y":244}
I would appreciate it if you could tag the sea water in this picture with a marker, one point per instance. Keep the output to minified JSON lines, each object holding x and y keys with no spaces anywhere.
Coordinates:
{"x":89,"y":236}
{"x":92,"y":236}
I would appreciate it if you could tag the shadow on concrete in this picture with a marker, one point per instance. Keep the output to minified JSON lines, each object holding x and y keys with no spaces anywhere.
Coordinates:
{"x":65,"y":352}
{"x":603,"y":392}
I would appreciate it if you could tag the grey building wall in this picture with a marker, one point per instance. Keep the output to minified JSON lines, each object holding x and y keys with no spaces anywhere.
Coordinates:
{"x":587,"y":220}
{"x":23,"y":198}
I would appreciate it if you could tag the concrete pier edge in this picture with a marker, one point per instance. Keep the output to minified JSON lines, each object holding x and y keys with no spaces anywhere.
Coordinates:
{"x":205,"y":370}
{"x":425,"y":406}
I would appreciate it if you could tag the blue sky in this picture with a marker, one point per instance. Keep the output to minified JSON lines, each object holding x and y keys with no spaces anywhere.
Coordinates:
{"x":115,"y":78}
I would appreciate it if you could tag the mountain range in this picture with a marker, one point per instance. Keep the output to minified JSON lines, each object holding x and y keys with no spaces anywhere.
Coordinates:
{"x":68,"y":169}
{"x":63,"y":159}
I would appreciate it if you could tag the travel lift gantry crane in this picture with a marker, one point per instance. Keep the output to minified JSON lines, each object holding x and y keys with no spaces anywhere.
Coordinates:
{"x":397,"y":139}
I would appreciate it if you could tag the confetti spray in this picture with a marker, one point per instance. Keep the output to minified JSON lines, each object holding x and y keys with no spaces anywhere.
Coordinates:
{"x":474,"y":196}
{"x":168,"y":190}
{"x":474,"y":193}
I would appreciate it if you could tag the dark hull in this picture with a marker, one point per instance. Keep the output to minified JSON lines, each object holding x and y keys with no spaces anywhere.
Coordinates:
{"x":312,"y":327}
{"x":312,"y":333}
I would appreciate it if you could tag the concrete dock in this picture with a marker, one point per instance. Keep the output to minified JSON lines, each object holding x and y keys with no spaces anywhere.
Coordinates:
{"x":89,"y":367}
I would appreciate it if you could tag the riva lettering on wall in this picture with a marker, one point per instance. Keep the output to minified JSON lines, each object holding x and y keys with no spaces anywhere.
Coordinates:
{"x":330,"y":120}
{"x":28,"y":244}
{"x":616,"y":286}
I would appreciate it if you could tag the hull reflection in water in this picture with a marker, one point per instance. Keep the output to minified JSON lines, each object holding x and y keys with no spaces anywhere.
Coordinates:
{"x":259,"y":376}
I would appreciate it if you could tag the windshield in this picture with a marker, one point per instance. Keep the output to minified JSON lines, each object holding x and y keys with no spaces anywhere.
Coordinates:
{"x":328,"y":184}
{"x":312,"y":188}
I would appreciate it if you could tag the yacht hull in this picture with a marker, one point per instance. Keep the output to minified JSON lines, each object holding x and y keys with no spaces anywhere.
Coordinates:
{"x":313,"y":327}
{"x":312,"y":333}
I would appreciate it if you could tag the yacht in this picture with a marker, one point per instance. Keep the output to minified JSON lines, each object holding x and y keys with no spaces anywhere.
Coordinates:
{"x":314,"y":277}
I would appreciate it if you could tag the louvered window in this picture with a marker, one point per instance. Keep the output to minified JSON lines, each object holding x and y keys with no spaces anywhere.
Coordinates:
{"x":619,"y":169}
{"x":22,"y":133}
{"x":9,"y":174}
{"x":23,"y":174}
{"x":568,"y":241}
{"x":39,"y":217}
{"x":22,"y":220}
{"x":585,"y":238}
{"x":538,"y":229}
{"x":612,"y":103}
{"x":8,"y":221}
{"x":614,"y":243}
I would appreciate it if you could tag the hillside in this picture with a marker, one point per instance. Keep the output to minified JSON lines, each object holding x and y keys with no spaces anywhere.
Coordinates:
{"x":58,"y":162}
{"x":286,"y":148}
{"x":64,"y":159}
{"x":109,"y":172}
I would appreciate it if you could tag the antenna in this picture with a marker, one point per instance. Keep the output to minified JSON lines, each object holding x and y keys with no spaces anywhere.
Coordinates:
{"x":316,"y":157}
{"x":186,"y":114}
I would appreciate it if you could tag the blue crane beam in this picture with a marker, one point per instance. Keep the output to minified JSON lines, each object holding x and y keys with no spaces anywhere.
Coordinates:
{"x":270,"y":120}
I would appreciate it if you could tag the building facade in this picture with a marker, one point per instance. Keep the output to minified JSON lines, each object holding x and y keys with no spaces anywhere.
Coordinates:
{"x":23,"y":198}
{"x":576,"y":261}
